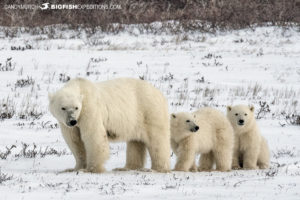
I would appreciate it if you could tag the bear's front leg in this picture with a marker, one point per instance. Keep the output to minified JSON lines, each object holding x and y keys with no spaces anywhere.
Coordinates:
{"x":194,"y":167}
{"x":96,"y":145}
{"x":250,"y":158}
{"x":236,"y":154}
{"x":73,"y":140}
{"x":206,"y":162}
{"x":263,"y":160}
{"x":174,"y":146}
{"x":186,"y":157}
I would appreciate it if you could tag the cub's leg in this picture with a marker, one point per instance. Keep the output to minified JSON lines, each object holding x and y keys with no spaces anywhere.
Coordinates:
{"x":250,"y":158}
{"x":263,"y":161}
{"x":194,"y":167}
{"x":186,"y":156}
{"x":236,"y":155}
{"x":206,"y":162}
{"x":223,"y":151}
{"x":223,"y":160}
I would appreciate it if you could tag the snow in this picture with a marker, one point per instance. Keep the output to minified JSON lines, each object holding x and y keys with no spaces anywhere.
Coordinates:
{"x":191,"y":69}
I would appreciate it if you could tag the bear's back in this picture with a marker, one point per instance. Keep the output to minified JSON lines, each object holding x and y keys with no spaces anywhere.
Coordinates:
{"x":212,"y":116}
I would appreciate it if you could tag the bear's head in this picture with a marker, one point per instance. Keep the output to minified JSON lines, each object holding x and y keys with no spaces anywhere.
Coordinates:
{"x":65,"y":106}
{"x":182,"y":125}
{"x":241,"y":117}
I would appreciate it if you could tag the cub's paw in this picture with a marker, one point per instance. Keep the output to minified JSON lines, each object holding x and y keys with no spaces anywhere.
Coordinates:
{"x":201,"y":169}
{"x":223,"y":169}
{"x":179,"y":169}
{"x":146,"y":170}
{"x":193,"y":169}
{"x":263,"y":166}
{"x":250,"y":168}
{"x":161,"y":170}
{"x":122,"y":169}
{"x":68,"y":170}
{"x":237,"y":167}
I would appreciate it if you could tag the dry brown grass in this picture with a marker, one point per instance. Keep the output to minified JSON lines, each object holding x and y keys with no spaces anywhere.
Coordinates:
{"x":224,"y":14}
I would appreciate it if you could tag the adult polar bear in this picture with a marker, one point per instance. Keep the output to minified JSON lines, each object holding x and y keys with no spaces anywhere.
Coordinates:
{"x":92,"y":114}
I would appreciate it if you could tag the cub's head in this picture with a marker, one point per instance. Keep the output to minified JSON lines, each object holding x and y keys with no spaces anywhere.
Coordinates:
{"x":240,"y":116}
{"x":182,"y":125}
{"x":65,"y":107}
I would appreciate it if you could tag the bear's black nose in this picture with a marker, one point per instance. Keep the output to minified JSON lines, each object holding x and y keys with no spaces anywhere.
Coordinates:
{"x":241,"y":122}
{"x":73,"y":122}
{"x":194,"y":129}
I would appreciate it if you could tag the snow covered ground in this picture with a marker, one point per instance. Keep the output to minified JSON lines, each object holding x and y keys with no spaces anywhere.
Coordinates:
{"x":259,"y":67}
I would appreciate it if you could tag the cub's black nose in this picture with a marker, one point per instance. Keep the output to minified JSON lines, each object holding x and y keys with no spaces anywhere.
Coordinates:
{"x":241,"y":122}
{"x":73,"y":122}
{"x":197,"y":128}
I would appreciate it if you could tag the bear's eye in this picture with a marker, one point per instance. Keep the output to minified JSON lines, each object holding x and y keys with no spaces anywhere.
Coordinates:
{"x":246,"y":114}
{"x":76,"y":108}
{"x":236,"y":114}
{"x":63,"y":108}
{"x":187,"y":121}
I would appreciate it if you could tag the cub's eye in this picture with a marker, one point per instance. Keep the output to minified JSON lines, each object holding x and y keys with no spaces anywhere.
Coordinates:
{"x":236,"y":114}
{"x":246,"y":114}
{"x":63,"y":108}
{"x":187,"y":121}
{"x":76,"y":108}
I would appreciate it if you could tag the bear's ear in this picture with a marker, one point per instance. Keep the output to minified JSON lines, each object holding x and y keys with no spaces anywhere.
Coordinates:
{"x":251,"y":108}
{"x":50,"y":95}
{"x":229,"y":108}
{"x":173,"y":115}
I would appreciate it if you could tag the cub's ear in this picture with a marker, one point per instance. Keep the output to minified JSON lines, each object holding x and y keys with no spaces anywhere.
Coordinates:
{"x":229,"y":108}
{"x":173,"y":115}
{"x":251,"y":108}
{"x":50,"y":95}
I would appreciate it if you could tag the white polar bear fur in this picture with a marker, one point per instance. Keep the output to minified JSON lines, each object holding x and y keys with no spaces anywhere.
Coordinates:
{"x":251,"y":149}
{"x":123,"y":109}
{"x":214,"y":140}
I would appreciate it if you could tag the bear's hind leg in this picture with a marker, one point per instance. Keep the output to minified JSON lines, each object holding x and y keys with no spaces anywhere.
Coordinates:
{"x":73,"y":140}
{"x":206,"y":162}
{"x":135,"y":156}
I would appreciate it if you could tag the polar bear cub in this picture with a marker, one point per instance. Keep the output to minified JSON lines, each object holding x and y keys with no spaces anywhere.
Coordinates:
{"x":207,"y":132}
{"x":251,"y":149}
